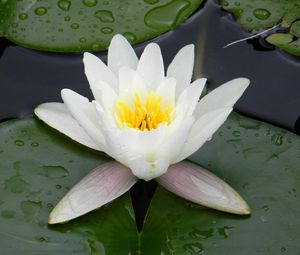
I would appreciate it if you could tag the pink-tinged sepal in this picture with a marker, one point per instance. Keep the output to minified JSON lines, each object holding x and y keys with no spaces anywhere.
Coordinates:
{"x":200,"y":186}
{"x":102,"y":185}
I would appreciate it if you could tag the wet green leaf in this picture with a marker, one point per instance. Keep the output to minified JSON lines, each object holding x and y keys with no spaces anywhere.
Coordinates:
{"x":88,"y":25}
{"x":262,"y":163}
{"x":262,"y":14}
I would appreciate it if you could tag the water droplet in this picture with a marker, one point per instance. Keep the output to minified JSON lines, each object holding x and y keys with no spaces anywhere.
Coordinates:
{"x":225,"y":231}
{"x":14,"y":25}
{"x":237,"y":3}
{"x":282,"y":249}
{"x":151,"y":1}
{"x":236,"y":133}
{"x":67,"y":18}
{"x":15,"y":184}
{"x":90,"y":3}
{"x":53,"y":171}
{"x":265,"y":208}
{"x":40,"y":11}
{"x":130,"y":37}
{"x":261,"y":14}
{"x":8,"y":214}
{"x":41,"y":239}
{"x":58,"y":186}
{"x":105,"y":16}
{"x":19,"y":142}
{"x":105,"y":2}
{"x":203,"y":234}
{"x":31,"y":210}
{"x":23,"y":16}
{"x":277,"y":139}
{"x":82,"y":40}
{"x":64,"y":4}
{"x":34,"y":144}
{"x":75,"y":26}
{"x":107,"y":30}
{"x":166,"y":16}
{"x":96,"y":46}
{"x":249,"y":19}
{"x":193,"y":248}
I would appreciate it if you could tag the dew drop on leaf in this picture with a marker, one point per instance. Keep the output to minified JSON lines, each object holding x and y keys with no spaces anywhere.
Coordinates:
{"x":277,"y":139}
{"x":82,"y":40}
{"x":67,"y":18}
{"x":75,"y":26}
{"x":106,"y":30}
{"x":130,"y":36}
{"x":261,"y":14}
{"x":19,"y":142}
{"x":90,"y":3}
{"x":105,"y":16}
{"x":40,"y":11}
{"x":23,"y":16}
{"x":64,"y":5}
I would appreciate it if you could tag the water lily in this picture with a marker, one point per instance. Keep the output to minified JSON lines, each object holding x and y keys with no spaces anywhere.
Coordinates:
{"x":148,"y":121}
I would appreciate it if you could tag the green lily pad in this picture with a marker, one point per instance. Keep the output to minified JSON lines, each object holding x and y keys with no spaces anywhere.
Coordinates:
{"x":37,"y":167}
{"x":262,"y":14}
{"x":262,"y":163}
{"x":88,"y":25}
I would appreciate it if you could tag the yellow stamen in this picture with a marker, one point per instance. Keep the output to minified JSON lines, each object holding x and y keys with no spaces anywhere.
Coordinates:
{"x":145,"y":115}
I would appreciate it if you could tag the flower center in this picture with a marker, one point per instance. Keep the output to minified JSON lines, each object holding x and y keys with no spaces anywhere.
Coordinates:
{"x":143,"y":116}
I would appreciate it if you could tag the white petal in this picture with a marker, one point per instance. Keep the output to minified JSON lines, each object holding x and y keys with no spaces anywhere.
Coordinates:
{"x":202,"y":130}
{"x":151,"y":66}
{"x":224,"y":96}
{"x":181,"y":68}
{"x":105,"y":95}
{"x":130,"y":83}
{"x":85,"y":114}
{"x":57,"y":116}
{"x":189,"y":97}
{"x":102,"y":185}
{"x":198,"y":185}
{"x":175,"y":137}
{"x":129,"y":144}
{"x":96,"y":70}
{"x":167,"y":90}
{"x":148,"y":170}
{"x":120,"y":53}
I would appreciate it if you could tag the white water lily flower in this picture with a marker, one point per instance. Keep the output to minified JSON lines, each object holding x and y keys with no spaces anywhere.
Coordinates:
{"x":145,"y":120}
